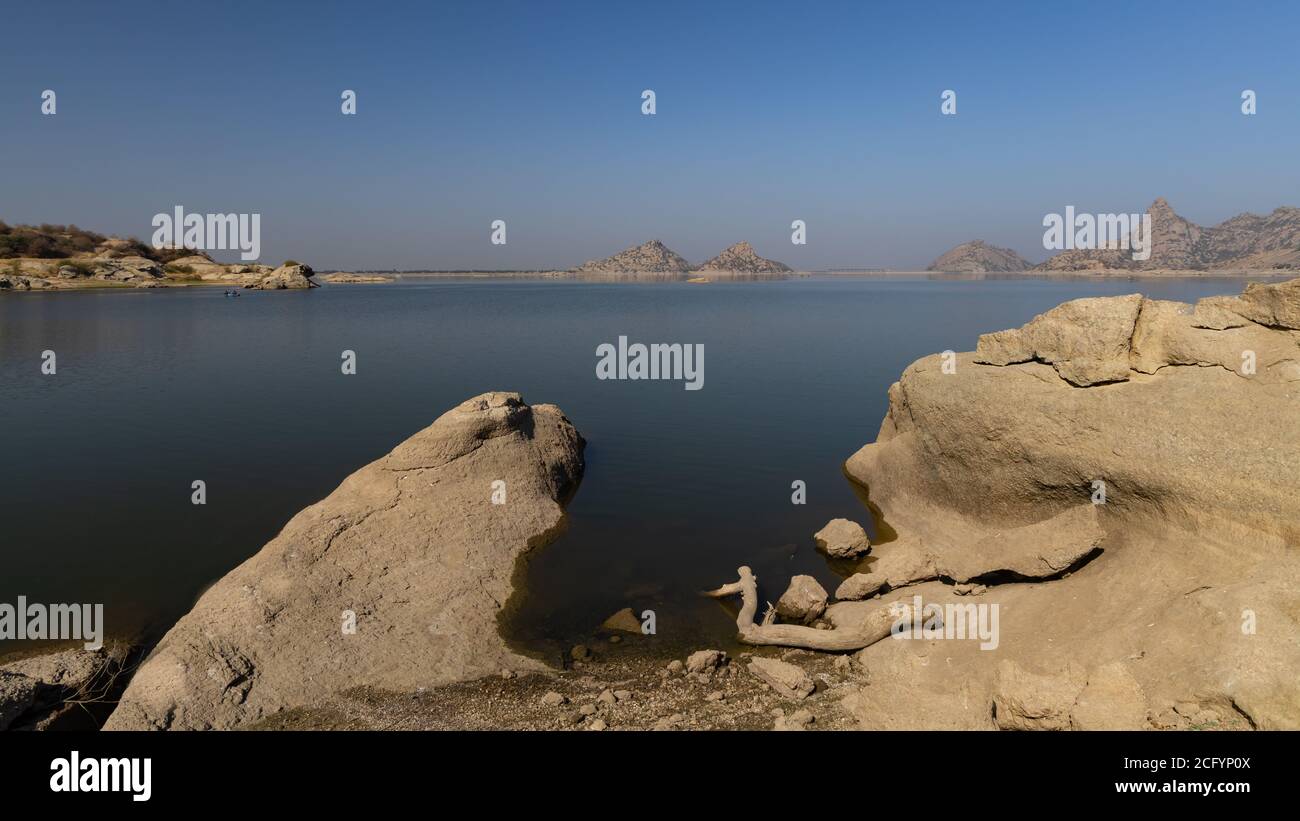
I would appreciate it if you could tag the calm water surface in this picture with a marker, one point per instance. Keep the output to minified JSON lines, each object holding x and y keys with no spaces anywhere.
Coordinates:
{"x":158,"y":388}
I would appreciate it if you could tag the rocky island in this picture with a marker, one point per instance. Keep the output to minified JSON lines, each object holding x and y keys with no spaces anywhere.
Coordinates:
{"x":978,"y":256}
{"x":655,"y":261}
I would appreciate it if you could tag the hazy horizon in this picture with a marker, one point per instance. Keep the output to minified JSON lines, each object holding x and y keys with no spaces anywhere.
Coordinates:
{"x":764,"y":115}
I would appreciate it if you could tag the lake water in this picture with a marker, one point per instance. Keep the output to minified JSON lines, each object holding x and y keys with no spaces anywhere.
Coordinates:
{"x":156,"y":389}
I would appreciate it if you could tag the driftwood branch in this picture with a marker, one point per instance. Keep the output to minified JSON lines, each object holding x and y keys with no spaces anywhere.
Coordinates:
{"x":871,"y":630}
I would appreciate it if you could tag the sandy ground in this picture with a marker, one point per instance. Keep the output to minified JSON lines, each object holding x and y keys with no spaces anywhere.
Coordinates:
{"x":649,"y":697}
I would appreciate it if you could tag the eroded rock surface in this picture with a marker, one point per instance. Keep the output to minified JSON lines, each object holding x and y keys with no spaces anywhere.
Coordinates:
{"x":410,"y":546}
{"x":1142,"y":415}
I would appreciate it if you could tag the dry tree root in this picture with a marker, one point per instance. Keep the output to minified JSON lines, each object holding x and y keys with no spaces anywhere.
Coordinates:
{"x":871,"y":630}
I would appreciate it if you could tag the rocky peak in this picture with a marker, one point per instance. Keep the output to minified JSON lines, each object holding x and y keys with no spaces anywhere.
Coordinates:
{"x":741,"y":257}
{"x":977,"y":256}
{"x":648,"y":257}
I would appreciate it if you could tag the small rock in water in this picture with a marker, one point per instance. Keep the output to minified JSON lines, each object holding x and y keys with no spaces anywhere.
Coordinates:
{"x":675,"y":666}
{"x":580,"y":652}
{"x":624,"y":620}
{"x":607,"y":697}
{"x":587,"y":709}
{"x":622,"y":695}
{"x":553,"y":699}
{"x":843,"y":539}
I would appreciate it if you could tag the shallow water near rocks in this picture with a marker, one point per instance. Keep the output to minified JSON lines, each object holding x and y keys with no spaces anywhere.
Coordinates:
{"x":156,"y":389}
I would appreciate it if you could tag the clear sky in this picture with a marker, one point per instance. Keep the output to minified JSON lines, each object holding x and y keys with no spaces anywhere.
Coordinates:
{"x":530,"y":112}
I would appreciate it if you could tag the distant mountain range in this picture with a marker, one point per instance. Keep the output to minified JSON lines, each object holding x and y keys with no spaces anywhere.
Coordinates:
{"x":654,"y":257}
{"x":1247,"y":241}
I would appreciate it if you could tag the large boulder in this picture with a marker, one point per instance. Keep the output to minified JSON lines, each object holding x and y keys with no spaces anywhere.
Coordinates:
{"x":803,"y":601}
{"x":842,"y":539}
{"x":286,"y":277}
{"x":1135,"y":480}
{"x":125,"y":269}
{"x":393,"y":581}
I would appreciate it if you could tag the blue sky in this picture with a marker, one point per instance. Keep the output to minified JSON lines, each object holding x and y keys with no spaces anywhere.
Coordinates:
{"x":530,"y":112}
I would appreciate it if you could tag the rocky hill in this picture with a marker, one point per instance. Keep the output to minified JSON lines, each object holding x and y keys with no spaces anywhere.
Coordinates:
{"x":65,"y":257}
{"x":978,"y":256}
{"x":742,"y":259}
{"x":1247,"y":241}
{"x":68,"y":241}
{"x":652,"y":257}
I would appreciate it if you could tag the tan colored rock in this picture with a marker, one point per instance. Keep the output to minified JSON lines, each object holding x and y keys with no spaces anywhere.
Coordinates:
{"x":1200,"y":518}
{"x":411,"y":544}
{"x":286,"y":277}
{"x":1112,"y":700}
{"x":803,"y":601}
{"x":624,"y":621}
{"x":842,"y":539}
{"x":1030,"y":701}
{"x":705,"y":661}
{"x":787,"y":680}
{"x":1086,"y":340}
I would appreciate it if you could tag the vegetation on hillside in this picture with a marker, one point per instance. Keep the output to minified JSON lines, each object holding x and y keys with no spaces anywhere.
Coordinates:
{"x":47,"y":241}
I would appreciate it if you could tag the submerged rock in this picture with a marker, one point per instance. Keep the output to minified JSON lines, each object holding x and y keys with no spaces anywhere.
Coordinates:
{"x":394,"y":581}
{"x":624,"y":620}
{"x":842,"y":539}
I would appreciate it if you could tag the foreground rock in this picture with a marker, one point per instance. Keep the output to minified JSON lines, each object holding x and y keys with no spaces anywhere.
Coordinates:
{"x":1188,"y":460}
{"x":803,"y":601}
{"x":787,"y":680}
{"x":50,"y":690}
{"x":410,"y":548}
